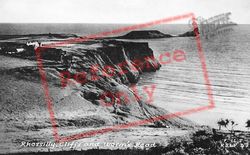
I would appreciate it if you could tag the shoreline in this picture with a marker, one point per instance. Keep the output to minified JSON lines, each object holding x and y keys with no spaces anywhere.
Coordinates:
{"x":72,"y":118}
{"x":77,"y":106}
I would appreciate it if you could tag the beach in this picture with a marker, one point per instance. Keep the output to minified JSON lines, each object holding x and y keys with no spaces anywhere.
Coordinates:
{"x":179,"y":86}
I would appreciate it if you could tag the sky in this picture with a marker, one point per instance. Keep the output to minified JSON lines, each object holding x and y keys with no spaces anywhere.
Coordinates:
{"x":116,"y":11}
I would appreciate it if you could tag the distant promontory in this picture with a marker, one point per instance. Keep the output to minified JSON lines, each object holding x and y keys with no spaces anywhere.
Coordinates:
{"x":151,"y":34}
{"x":144,"y":34}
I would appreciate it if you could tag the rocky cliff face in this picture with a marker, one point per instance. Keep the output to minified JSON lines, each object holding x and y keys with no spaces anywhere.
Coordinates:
{"x":101,"y":72}
{"x":121,"y":61}
{"x":108,"y":67}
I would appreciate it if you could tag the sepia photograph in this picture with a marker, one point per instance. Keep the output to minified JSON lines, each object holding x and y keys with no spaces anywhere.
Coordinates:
{"x":124,"y":77}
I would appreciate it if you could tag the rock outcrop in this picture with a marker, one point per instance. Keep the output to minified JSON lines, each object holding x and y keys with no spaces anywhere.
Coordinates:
{"x":189,"y":33}
{"x":118,"y":61}
{"x":102,"y":71}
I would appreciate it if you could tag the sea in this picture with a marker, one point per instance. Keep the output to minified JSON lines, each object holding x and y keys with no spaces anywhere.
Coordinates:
{"x":181,"y":85}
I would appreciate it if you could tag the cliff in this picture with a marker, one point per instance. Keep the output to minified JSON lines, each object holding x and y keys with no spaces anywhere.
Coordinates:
{"x":99,"y":96}
{"x":116,"y":65}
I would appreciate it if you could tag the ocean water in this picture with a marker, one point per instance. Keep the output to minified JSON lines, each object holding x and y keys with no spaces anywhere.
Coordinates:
{"x":78,"y":29}
{"x":180,"y":85}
